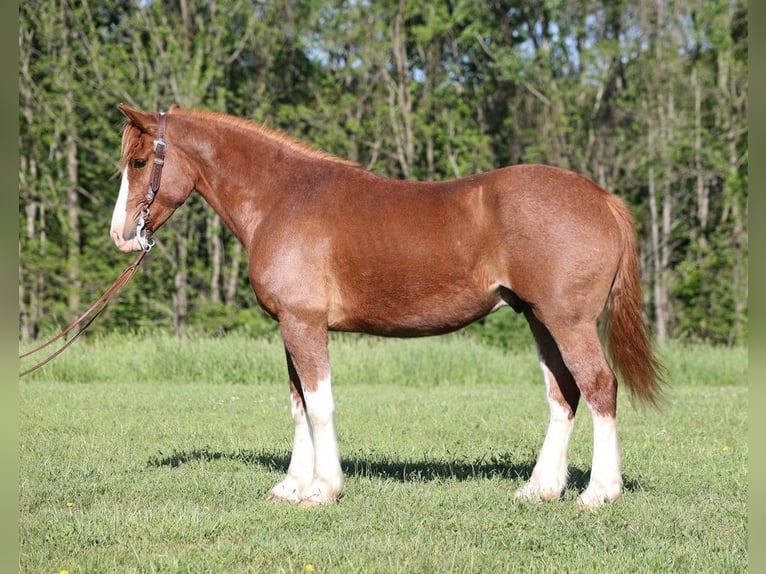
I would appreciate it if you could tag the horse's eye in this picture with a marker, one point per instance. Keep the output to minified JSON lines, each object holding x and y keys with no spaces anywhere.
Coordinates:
{"x":139,"y":163}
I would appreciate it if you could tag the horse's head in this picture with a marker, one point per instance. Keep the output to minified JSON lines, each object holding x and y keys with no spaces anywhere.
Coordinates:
{"x":156,"y":179}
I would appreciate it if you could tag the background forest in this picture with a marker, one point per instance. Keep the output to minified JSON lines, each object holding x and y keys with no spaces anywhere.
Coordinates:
{"x":648,"y":98}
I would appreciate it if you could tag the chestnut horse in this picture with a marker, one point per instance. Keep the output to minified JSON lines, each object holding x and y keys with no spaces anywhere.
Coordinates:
{"x":332,"y":246}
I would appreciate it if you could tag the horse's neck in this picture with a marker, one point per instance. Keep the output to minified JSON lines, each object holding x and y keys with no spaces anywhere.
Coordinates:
{"x":237,"y":167}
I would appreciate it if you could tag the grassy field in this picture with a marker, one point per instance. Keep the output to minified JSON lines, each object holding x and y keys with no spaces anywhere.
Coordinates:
{"x":154,"y":455}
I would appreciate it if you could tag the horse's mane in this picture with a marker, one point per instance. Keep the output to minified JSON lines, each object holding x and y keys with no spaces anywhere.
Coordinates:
{"x":277,"y":136}
{"x":131,"y":136}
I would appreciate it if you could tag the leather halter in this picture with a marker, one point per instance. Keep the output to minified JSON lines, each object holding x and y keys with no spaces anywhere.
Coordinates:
{"x":160,"y":148}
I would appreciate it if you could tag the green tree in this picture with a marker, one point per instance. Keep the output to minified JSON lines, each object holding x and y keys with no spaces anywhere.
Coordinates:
{"x":647,"y":98}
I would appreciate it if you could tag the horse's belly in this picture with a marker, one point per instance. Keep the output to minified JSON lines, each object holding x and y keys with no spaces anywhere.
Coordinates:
{"x":412,"y":313}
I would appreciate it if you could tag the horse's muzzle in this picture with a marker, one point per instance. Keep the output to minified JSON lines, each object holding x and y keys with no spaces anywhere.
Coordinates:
{"x":126,"y":245}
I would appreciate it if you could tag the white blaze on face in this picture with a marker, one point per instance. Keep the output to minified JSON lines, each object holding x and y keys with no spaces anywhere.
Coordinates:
{"x":119,"y":217}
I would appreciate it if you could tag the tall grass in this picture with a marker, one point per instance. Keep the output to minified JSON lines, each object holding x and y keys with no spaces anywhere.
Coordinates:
{"x":355,"y":359}
{"x":238,"y":359}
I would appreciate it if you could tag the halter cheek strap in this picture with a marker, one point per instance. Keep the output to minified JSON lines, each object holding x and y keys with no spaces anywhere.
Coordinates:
{"x":160,"y":148}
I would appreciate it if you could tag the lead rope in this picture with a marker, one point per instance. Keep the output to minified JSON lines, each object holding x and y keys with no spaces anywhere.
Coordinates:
{"x":85,"y":319}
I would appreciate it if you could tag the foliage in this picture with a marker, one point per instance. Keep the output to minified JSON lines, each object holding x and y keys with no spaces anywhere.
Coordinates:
{"x":647,"y":98}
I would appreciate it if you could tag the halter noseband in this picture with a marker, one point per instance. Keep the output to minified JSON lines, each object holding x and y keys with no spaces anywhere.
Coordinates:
{"x":160,"y":148}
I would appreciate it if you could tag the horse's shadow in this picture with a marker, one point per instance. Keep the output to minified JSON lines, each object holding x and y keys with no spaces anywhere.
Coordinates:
{"x":384,"y":468}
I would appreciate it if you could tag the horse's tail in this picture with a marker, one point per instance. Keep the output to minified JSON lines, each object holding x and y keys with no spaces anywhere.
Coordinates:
{"x":627,"y":335}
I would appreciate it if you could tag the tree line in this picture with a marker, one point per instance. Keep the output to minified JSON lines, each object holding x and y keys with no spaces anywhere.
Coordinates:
{"x":646,"y":97}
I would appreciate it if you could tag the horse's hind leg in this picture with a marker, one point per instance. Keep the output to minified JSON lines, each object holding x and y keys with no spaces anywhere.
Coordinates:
{"x":584,"y":356}
{"x":550,"y":472}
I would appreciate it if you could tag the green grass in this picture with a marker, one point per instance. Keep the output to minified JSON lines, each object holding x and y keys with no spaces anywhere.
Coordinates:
{"x":152,"y":455}
{"x":237,"y":359}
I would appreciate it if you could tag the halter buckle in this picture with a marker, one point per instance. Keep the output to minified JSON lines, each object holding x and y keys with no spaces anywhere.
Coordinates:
{"x":160,"y":143}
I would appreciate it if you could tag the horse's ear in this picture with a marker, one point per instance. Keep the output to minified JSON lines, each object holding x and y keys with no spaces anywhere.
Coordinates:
{"x":174,"y":107}
{"x":145,"y":121}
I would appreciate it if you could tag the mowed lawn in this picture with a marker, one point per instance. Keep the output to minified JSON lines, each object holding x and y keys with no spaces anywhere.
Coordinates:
{"x":156,"y":455}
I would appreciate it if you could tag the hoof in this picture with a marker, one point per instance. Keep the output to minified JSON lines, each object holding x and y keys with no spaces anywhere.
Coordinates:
{"x":310,"y":503}
{"x":320,"y":493}
{"x":587,"y":503}
{"x":277,"y":499}
{"x":536,"y":493}
{"x":317,"y":499}
{"x":316,"y":494}
{"x":597,"y":496}
{"x":288,"y":490}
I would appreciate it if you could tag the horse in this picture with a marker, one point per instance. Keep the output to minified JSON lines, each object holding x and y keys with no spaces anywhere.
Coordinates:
{"x":333,"y":247}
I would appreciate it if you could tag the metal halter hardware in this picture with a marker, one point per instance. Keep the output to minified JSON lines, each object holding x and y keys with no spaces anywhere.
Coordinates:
{"x":143,"y":235}
{"x":160,"y":148}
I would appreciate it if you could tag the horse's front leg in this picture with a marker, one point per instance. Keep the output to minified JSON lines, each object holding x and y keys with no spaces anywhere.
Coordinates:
{"x":314,"y":476}
{"x":300,"y":473}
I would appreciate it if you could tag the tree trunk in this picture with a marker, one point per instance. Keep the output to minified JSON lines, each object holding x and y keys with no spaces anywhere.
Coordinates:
{"x":233,"y":275}
{"x":72,"y":176}
{"x":658,"y":287}
{"x":73,"y":235}
{"x":180,"y":282}
{"x":215,"y":241}
{"x":703,"y":202}
{"x":400,"y":101}
{"x":739,"y":240}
